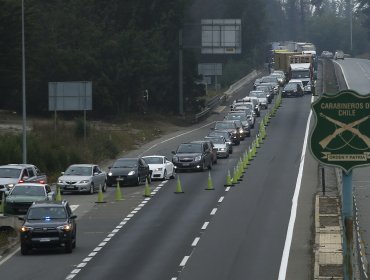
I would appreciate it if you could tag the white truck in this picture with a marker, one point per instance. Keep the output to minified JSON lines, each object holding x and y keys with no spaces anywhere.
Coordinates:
{"x":303,"y":72}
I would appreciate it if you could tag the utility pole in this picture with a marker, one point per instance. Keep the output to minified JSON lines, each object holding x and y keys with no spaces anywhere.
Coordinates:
{"x":24,"y":123}
{"x":181,"y":94}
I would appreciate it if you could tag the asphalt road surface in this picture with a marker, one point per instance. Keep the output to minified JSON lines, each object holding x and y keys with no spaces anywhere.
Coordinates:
{"x":236,"y":233}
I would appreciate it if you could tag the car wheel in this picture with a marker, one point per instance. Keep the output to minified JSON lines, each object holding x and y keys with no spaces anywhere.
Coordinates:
{"x":104,"y":188}
{"x":173,"y":174}
{"x":25,"y":249}
{"x":68,"y":247}
{"x":165,"y":175}
{"x":91,"y":190}
{"x":74,"y":241}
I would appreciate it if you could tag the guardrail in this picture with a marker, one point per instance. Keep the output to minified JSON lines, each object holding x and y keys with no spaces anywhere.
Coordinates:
{"x":217,"y":100}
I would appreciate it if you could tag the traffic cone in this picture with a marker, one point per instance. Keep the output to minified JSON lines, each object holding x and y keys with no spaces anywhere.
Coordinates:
{"x":209,"y":184}
{"x":250,"y":154}
{"x":118,"y":192}
{"x":2,"y":206}
{"x":257,"y":141}
{"x":228,"y":180}
{"x":147,"y":191}
{"x":178,"y":186}
{"x":58,"y":197}
{"x":235,"y":177}
{"x":100,"y":196}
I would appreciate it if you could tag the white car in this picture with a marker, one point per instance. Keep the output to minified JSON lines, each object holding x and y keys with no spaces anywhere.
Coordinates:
{"x":160,"y":167}
{"x":83,"y":178}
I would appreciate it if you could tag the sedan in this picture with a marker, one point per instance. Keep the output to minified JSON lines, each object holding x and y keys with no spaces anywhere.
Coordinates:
{"x":129,"y":171}
{"x":21,"y":197}
{"x":160,"y":167}
{"x":82,"y":178}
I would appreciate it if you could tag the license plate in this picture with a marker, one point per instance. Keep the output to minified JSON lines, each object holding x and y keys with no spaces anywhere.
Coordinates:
{"x":185,"y":164}
{"x":69,"y":187}
{"x":45,"y":240}
{"x":119,"y":179}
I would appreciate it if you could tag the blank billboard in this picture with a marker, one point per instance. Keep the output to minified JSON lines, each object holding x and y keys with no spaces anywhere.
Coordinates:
{"x":221,"y":36}
{"x":70,"y":96}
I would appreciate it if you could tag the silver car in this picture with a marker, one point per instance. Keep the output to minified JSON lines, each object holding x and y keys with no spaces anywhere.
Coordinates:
{"x":83,"y":178}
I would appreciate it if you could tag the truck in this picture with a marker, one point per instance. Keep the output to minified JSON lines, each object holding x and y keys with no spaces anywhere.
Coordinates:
{"x":282,"y":60}
{"x":12,"y":174}
{"x":304,"y":73}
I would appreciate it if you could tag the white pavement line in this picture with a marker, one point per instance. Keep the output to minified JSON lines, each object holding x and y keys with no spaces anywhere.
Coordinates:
{"x":146,"y":199}
{"x":221,"y":199}
{"x":70,"y":276}
{"x":97,"y":249}
{"x":214,"y":210}
{"x":184,"y":260}
{"x":195,"y":242}
{"x":74,"y":207}
{"x":205,"y":225}
{"x":115,"y":230}
{"x":177,"y":136}
{"x":227,"y":189}
{"x":102,"y":244}
{"x":130,"y":215}
{"x":86,"y":259}
{"x":110,"y":235}
{"x":174,"y":278}
{"x":83,"y":264}
{"x":75,"y":271}
{"x":293,"y":213}
{"x":9,"y":256}
{"x":122,"y":223}
{"x":92,"y":254}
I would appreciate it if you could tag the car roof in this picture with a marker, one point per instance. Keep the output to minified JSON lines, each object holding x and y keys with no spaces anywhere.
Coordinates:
{"x":49,"y":203}
{"x":294,"y":81}
{"x":153,"y":156}
{"x":16,"y":165}
{"x":83,"y":164}
{"x":30,"y":184}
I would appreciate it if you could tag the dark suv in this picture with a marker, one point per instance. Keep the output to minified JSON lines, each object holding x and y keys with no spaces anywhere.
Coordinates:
{"x":193,"y":156}
{"x":48,"y":224}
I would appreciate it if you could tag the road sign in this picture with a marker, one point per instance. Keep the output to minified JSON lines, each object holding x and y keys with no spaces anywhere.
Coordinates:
{"x":341,"y":136}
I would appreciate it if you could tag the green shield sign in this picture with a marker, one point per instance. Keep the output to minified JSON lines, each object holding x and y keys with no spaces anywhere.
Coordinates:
{"x":341,"y":135}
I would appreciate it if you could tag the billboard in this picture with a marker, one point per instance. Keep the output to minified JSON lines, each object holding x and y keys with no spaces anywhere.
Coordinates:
{"x":70,"y":96}
{"x":221,"y":36}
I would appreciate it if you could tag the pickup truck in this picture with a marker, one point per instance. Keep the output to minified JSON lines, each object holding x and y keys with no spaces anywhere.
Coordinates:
{"x":12,"y":174}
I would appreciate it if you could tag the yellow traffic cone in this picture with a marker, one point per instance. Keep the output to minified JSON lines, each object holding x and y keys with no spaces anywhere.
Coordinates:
{"x":147,"y":191}
{"x":2,"y":206}
{"x":100,"y":196}
{"x":58,"y":197}
{"x":235,"y":176}
{"x":118,"y":192}
{"x":209,"y":184}
{"x":178,"y":186}
{"x":228,"y":180}
{"x":250,"y":154}
{"x":257,"y":141}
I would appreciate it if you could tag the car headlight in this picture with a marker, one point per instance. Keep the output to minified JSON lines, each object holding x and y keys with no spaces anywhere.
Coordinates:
{"x":198,"y":158}
{"x":25,"y":229}
{"x":175,"y":159}
{"x":60,"y":181}
{"x":158,"y":169}
{"x":222,"y":149}
{"x":10,"y":186}
{"x":110,"y":173}
{"x":132,"y":172}
{"x":85,"y":181}
{"x":241,"y":130}
{"x":66,"y":227}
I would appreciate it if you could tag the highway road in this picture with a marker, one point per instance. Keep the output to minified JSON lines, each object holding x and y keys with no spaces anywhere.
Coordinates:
{"x":225,"y":233}
{"x":356,"y":74}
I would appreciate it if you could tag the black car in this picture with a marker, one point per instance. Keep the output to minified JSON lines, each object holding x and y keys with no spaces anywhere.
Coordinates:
{"x":193,"y":156}
{"x":128,"y":171}
{"x":48,"y":224}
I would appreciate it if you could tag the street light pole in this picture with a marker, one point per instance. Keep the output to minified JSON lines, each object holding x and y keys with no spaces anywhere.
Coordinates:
{"x":24,"y":125}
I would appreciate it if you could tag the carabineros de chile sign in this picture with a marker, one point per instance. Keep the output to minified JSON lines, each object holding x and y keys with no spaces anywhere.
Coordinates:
{"x":341,"y":136}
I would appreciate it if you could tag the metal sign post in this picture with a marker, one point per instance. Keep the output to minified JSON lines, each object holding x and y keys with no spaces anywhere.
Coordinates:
{"x":341,"y":138}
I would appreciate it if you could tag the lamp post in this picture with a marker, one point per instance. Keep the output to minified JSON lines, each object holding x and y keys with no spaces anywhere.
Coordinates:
{"x":24,"y":126}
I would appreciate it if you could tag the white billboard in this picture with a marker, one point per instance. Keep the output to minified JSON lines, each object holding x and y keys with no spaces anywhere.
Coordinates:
{"x":70,"y":96}
{"x":221,"y":36}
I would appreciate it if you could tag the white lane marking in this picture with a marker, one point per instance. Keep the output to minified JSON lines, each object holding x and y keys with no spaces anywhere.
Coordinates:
{"x":97,"y":249}
{"x":221,"y":199}
{"x":195,"y":242}
{"x":205,"y":225}
{"x":86,"y":259}
{"x":214,"y":210}
{"x":74,"y":207}
{"x":177,"y":136}
{"x":293,"y":212}
{"x":75,"y":271}
{"x":102,"y":244}
{"x":227,"y":189}
{"x":184,"y":260}
{"x":70,"y":276}
{"x":92,"y":254}
{"x":82,"y":265}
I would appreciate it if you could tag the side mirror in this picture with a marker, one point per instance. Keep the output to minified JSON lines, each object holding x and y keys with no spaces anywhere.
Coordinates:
{"x":62,"y":173}
{"x":73,"y":217}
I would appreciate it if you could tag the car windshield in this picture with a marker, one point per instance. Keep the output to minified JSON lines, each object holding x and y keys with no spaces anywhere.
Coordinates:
{"x":189,"y":148}
{"x":153,"y":160}
{"x":216,"y":133}
{"x":217,"y":140}
{"x":28,"y":190}
{"x":291,"y":86}
{"x":236,"y":117}
{"x":125,"y":163}
{"x":46,"y":213}
{"x":300,"y":74}
{"x":79,"y":170}
{"x":224,"y":125}
{"x":9,"y":172}
{"x":269,"y":80}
